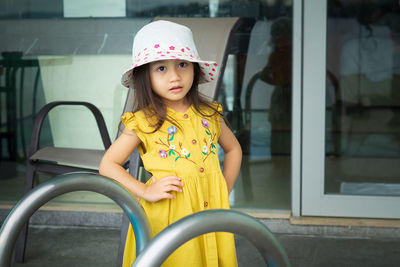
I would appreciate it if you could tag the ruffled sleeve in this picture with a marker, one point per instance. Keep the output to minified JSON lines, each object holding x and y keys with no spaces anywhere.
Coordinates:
{"x":218,"y":106}
{"x":134,"y":122}
{"x":128,"y":119}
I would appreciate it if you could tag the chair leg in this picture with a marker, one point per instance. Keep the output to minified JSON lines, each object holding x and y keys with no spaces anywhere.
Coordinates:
{"x":124,"y":232}
{"x":21,"y":240}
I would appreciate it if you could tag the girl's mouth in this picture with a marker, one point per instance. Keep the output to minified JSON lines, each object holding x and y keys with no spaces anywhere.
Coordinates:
{"x":175,"y":89}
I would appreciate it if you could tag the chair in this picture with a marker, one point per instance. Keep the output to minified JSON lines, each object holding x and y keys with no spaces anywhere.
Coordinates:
{"x":13,"y":68}
{"x":211,"y":35}
{"x":58,"y":160}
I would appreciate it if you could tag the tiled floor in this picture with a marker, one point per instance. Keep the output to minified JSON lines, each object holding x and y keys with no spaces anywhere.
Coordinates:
{"x":262,"y":183}
{"x":269,"y":187}
{"x":11,"y":190}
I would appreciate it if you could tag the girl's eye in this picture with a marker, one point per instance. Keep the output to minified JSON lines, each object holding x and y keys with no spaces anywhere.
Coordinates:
{"x":161,"y":68}
{"x":182,"y":64}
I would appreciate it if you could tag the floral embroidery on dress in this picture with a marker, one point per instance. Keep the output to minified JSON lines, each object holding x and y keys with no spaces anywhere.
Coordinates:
{"x":171,"y":131}
{"x":208,"y":147}
{"x":162,"y":153}
{"x":171,"y":148}
{"x":205,"y":123}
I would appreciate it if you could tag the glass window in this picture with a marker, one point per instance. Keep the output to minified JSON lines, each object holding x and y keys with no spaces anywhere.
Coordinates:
{"x":257,"y":97}
{"x":73,"y":50}
{"x":362,"y":98}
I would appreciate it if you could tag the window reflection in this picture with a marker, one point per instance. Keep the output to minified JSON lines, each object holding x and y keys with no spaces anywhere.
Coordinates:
{"x":261,"y":117}
{"x":363,"y":111}
{"x":256,"y":90}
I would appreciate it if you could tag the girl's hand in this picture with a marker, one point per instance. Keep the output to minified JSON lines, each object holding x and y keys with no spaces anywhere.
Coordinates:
{"x":160,"y":189}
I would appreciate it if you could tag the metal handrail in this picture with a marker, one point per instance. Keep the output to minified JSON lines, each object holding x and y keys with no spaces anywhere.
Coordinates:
{"x":66,"y":183}
{"x":168,"y":240}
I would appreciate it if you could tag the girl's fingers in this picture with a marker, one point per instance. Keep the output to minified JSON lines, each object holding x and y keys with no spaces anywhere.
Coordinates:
{"x":162,"y":188}
{"x":169,"y":196}
{"x":175,"y":183}
{"x":173,"y":188}
{"x":171,"y":177}
{"x":174,"y":180}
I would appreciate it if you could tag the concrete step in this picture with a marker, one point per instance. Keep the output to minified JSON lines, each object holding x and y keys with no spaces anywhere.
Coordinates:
{"x":91,"y":246}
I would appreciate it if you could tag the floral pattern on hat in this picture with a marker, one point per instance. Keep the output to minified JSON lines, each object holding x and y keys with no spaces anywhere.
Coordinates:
{"x":156,"y":52}
{"x":167,"y":40}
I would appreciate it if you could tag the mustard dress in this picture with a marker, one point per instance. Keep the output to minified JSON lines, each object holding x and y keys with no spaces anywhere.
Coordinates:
{"x":188,"y":151}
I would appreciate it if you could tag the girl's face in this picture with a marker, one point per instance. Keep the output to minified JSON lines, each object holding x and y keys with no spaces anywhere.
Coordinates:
{"x":171,"y":79}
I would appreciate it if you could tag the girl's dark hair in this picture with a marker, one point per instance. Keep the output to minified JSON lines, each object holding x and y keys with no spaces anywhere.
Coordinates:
{"x":152,"y":105}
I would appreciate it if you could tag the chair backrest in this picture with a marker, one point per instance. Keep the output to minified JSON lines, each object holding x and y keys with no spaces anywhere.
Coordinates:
{"x":212,"y":36}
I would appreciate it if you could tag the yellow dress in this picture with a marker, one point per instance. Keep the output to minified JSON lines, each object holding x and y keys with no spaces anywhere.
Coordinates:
{"x":188,"y":151}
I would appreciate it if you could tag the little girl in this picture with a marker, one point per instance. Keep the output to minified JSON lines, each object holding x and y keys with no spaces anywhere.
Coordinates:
{"x":176,"y":132}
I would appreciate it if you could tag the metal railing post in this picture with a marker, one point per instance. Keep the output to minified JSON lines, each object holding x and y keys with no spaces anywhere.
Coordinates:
{"x":66,"y":183}
{"x":218,"y":220}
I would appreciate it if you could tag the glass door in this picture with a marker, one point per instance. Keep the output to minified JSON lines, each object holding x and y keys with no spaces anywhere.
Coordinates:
{"x":351,"y":109}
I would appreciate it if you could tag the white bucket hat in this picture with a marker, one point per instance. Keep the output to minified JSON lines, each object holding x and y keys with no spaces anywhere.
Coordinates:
{"x":162,"y":40}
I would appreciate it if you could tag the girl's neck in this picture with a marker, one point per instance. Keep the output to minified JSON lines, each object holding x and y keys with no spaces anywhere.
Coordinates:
{"x":181,"y":106}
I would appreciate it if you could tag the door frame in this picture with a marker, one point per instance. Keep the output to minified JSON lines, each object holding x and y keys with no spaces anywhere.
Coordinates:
{"x":308,"y":124}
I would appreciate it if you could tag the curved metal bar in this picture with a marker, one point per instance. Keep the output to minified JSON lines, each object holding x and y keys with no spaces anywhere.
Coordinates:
{"x":218,"y":220}
{"x":68,"y":183}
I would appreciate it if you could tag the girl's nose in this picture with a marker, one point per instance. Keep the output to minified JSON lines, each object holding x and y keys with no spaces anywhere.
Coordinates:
{"x":174,"y":75}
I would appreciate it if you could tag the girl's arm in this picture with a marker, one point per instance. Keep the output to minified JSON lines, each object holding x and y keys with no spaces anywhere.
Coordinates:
{"x":111,"y":166}
{"x":233,"y":155}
